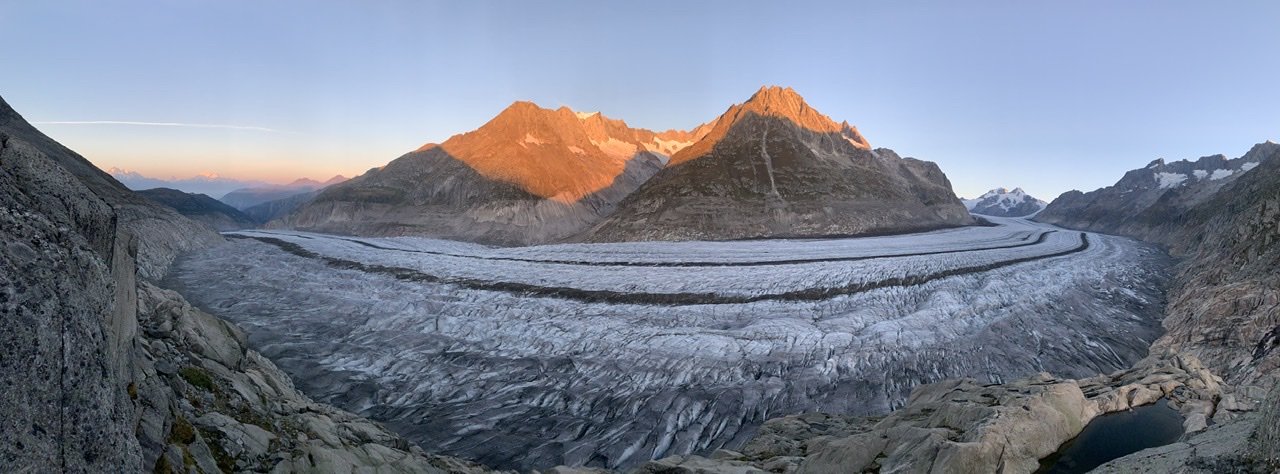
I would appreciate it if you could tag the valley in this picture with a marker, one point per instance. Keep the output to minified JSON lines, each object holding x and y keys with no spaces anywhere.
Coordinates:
{"x":610,"y":355}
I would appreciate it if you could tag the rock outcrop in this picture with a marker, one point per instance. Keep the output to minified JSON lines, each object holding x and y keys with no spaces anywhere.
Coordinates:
{"x":206,"y":400}
{"x":200,"y":208}
{"x":962,"y":425}
{"x":775,"y":167}
{"x":104,"y":372}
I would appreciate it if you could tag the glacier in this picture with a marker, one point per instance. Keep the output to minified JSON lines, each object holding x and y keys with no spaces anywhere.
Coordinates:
{"x":609,"y":355}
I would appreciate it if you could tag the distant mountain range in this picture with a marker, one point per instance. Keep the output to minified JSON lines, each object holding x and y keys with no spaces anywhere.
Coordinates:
{"x":1001,"y":202}
{"x":215,"y":186}
{"x":770,"y":167}
{"x":208,"y":184}
{"x":245,"y":198}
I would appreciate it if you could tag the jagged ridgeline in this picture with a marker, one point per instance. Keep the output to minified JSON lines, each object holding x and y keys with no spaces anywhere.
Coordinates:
{"x":770,"y":167}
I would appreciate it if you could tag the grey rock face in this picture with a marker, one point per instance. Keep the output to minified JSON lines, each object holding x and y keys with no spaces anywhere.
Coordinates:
{"x":89,"y":389}
{"x":169,"y":234}
{"x":65,"y":346}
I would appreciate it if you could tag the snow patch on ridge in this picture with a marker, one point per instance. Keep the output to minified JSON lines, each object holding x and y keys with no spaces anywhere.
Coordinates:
{"x":1170,"y":180}
{"x":668,"y":147}
{"x":616,"y":148}
{"x":529,"y":138}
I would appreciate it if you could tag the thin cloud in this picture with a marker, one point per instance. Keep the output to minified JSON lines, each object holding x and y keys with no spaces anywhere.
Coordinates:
{"x":159,"y":124}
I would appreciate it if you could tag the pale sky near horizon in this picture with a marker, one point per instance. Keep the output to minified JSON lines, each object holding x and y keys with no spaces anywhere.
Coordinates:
{"x":1049,"y":96}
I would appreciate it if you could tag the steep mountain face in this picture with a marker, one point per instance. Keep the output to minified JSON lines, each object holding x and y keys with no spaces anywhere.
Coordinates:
{"x":775,"y":167}
{"x":1225,"y":308}
{"x":245,"y":198}
{"x":1001,"y":202}
{"x":1157,"y":195}
{"x":200,"y":208}
{"x":529,"y":175}
{"x":105,"y":372}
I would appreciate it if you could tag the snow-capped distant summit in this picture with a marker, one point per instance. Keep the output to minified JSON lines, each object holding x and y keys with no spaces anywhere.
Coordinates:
{"x":1001,"y":202}
{"x":206,"y":183}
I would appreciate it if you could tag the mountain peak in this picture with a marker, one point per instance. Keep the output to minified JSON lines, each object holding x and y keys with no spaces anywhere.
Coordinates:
{"x":1002,"y":202}
{"x":775,"y":94}
{"x":785,"y":102}
{"x":781,"y":102}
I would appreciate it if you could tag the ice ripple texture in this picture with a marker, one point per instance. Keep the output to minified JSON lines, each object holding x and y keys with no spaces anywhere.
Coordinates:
{"x":577,"y":354}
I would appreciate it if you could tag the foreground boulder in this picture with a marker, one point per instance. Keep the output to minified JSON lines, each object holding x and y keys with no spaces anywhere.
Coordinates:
{"x":207,"y":400}
{"x":962,"y":425}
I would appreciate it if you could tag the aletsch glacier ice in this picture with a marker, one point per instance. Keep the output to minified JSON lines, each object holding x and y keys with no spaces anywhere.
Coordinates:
{"x":577,"y":354}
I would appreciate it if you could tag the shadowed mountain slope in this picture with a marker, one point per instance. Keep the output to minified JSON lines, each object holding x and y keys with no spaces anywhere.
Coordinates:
{"x":200,"y":208}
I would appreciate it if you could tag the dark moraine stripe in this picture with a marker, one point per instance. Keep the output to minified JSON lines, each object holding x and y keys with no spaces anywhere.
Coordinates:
{"x":656,"y":299}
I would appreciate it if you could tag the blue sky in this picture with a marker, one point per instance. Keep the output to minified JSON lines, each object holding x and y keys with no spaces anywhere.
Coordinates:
{"x":1049,"y":96}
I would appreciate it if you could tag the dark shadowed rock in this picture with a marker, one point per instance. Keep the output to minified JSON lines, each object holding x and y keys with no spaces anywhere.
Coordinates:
{"x":201,"y":208}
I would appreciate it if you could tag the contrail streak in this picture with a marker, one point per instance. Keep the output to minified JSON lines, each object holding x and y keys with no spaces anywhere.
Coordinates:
{"x":157,"y":124}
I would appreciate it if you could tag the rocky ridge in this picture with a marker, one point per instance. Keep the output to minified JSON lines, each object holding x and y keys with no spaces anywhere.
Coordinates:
{"x":108,"y":373}
{"x":1149,"y":200}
